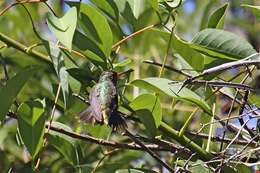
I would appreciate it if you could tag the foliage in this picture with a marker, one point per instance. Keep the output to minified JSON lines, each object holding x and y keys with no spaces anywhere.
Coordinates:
{"x":186,"y":66}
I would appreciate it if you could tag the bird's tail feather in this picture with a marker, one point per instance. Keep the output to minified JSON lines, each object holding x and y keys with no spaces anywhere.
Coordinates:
{"x":117,"y":122}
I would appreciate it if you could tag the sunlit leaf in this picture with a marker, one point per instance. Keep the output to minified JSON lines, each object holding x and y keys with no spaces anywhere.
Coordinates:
{"x":222,"y":44}
{"x":182,"y":47}
{"x":162,"y":86}
{"x":64,"y":28}
{"x":173,"y":3}
{"x":128,"y":171}
{"x":59,"y":66}
{"x":151,"y":103}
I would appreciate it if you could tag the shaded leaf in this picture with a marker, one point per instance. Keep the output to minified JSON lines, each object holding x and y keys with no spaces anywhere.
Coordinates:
{"x":12,"y":88}
{"x":222,"y":44}
{"x":83,"y":75}
{"x":31,"y":124}
{"x":64,"y":28}
{"x":217,"y":18}
{"x":63,"y":143}
{"x":162,"y":86}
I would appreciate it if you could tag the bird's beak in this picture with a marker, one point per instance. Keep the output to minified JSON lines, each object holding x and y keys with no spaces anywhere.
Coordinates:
{"x":124,"y":73}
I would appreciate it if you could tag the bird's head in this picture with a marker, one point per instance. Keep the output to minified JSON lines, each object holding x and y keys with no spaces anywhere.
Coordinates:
{"x":109,"y":75}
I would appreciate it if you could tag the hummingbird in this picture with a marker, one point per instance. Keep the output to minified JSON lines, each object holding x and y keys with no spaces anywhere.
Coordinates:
{"x":103,"y":100}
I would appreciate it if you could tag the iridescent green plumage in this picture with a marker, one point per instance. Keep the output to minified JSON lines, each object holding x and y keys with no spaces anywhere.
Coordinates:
{"x":103,"y":99}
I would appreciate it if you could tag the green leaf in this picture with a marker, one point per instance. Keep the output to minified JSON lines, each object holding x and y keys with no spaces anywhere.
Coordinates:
{"x":12,"y":88}
{"x":222,"y":44}
{"x":82,"y":75}
{"x":162,"y":86}
{"x":136,"y":6}
{"x":192,"y":57}
{"x":31,"y":124}
{"x":199,"y":168}
{"x":122,"y":63}
{"x":148,"y":108}
{"x":109,"y":7}
{"x":151,"y":103}
{"x":89,"y":47}
{"x":63,"y":28}
{"x":154,"y":4}
{"x":217,"y":18}
{"x":173,"y":3}
{"x":243,"y":168}
{"x":63,"y":143}
{"x":254,"y":9}
{"x":95,"y":26}
{"x":129,"y":171}
{"x":59,"y":66}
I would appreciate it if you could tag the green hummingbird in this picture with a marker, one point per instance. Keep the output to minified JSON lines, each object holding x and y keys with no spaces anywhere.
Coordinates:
{"x":103,"y":100}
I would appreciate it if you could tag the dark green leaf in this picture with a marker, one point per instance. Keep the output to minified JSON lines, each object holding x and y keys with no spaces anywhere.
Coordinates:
{"x":12,"y":88}
{"x":89,"y":47}
{"x":109,"y":7}
{"x":31,"y":124}
{"x":162,"y":86}
{"x":216,"y":19}
{"x":64,"y":27}
{"x":222,"y":44}
{"x":95,"y":26}
{"x":82,"y":75}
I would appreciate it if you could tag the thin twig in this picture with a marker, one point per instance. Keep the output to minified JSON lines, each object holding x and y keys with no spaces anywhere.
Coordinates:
{"x":167,"y":67}
{"x":215,"y":83}
{"x":19,"y":2}
{"x":244,"y":62}
{"x":148,"y":150}
{"x":132,"y":35}
{"x":167,"y":51}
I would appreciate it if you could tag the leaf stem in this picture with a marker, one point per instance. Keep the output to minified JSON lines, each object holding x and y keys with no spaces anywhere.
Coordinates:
{"x":167,"y":52}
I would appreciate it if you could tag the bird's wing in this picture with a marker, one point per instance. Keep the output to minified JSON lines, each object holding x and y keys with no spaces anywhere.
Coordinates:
{"x":95,"y":103}
{"x":87,"y":115}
